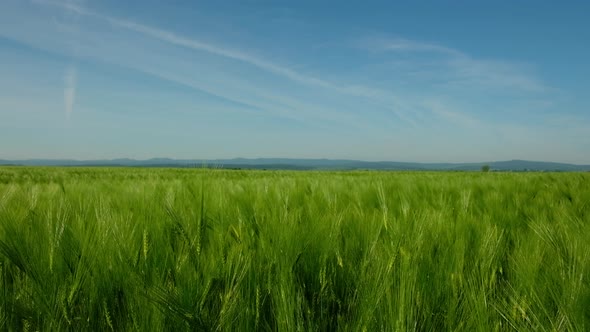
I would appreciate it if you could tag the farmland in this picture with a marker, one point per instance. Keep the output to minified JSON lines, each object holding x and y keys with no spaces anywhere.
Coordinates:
{"x":197,"y":249}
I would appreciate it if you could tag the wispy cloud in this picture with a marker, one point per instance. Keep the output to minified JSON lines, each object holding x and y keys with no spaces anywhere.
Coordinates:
{"x":385,"y":97}
{"x":194,"y":44}
{"x":452,"y":68}
{"x":467,"y":71}
{"x":70,"y":82}
{"x":450,"y":114}
{"x":406,"y":45}
{"x":458,"y":68}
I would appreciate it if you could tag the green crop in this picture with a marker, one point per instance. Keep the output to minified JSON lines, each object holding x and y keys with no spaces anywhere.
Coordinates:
{"x":115,"y":249}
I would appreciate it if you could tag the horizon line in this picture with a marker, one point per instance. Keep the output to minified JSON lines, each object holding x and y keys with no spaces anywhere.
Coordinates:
{"x":283,"y":158}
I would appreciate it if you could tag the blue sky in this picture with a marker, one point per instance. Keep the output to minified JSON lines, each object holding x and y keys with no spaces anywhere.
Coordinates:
{"x":424,"y":81}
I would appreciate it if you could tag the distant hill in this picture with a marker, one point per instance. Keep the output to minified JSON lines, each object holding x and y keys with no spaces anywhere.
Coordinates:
{"x":306,"y":164}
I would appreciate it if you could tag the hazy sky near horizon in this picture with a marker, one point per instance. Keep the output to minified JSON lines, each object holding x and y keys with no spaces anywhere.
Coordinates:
{"x":453,"y":81}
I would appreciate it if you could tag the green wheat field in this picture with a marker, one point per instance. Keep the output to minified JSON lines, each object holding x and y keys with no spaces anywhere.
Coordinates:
{"x":124,"y":249}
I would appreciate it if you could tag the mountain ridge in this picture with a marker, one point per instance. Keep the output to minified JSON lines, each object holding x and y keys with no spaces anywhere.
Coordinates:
{"x":305,"y":164}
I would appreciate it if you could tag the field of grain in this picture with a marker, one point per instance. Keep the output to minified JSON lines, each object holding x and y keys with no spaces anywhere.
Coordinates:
{"x":195,"y":249}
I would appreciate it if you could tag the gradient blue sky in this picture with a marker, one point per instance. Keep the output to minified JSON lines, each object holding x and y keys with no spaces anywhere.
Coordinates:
{"x":420,"y":81}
